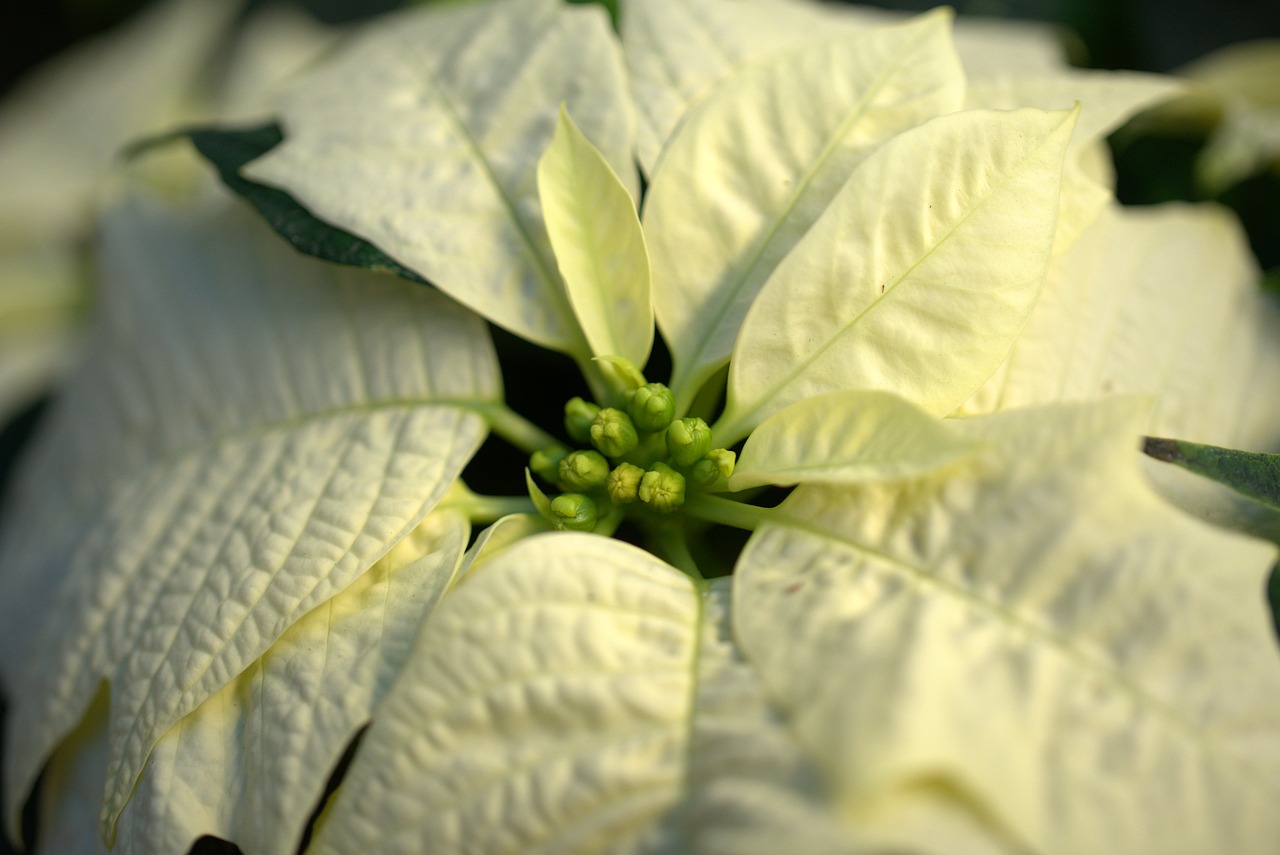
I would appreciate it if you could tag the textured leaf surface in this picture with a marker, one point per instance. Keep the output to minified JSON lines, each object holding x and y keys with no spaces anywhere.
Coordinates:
{"x":731,"y":198}
{"x":600,"y":250}
{"x":1049,"y":602}
{"x":848,"y":437}
{"x":918,"y":277}
{"x":228,"y":150}
{"x":677,"y":50}
{"x":543,"y":710}
{"x":252,"y":432}
{"x":249,"y":764}
{"x":424,"y":137}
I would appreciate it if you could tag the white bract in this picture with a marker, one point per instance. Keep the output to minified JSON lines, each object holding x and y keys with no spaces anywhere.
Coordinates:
{"x":242,"y":534}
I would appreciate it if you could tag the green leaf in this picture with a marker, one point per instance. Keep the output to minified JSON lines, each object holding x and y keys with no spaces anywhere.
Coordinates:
{"x":730,"y":198}
{"x":918,"y":277}
{"x":424,"y":136}
{"x":599,"y":247}
{"x":848,"y":437}
{"x":228,"y":150}
{"x":251,"y":432}
{"x":1044,"y":598}
{"x":1249,"y":473}
{"x":267,"y":742}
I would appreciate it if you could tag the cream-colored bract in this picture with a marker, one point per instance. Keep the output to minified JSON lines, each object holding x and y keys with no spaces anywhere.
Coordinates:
{"x":424,"y":139}
{"x":263,"y":429}
{"x":917,"y":278}
{"x":266,"y":743}
{"x":848,"y":437}
{"x":1079,"y":666}
{"x":599,"y":247}
{"x":750,"y":191}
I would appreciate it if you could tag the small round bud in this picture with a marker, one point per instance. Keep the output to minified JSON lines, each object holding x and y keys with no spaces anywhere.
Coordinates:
{"x":545,"y":463}
{"x":652,"y":407}
{"x":613,"y":433}
{"x":724,"y":460}
{"x":623,"y":484}
{"x":662,"y":488}
{"x":584,"y":470}
{"x":574,"y":512}
{"x":688,"y":441}
{"x":704,"y":473}
{"x":578,"y":416}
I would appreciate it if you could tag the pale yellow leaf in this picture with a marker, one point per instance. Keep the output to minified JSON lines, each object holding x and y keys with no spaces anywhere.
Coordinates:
{"x":734,"y":193}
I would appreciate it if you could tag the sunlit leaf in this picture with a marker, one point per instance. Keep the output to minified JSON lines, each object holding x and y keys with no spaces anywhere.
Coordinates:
{"x":600,"y":251}
{"x":848,"y":437}
{"x":918,"y":277}
{"x":1042,"y":642}
{"x":731,"y":197}
{"x":251,"y":433}
{"x":424,"y":136}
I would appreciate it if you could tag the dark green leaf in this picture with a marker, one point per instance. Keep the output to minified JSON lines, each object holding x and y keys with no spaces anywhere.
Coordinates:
{"x":1250,"y":474}
{"x":228,"y":150}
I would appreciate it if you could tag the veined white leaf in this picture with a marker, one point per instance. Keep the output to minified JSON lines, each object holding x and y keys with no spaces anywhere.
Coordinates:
{"x":918,"y":277}
{"x":544,"y":709}
{"x":252,"y":432}
{"x":749,"y":195}
{"x":265,"y":744}
{"x":424,"y":138}
{"x":1106,"y":98}
{"x":595,"y":231}
{"x":677,"y":50}
{"x":1066,"y":658}
{"x":848,"y":437}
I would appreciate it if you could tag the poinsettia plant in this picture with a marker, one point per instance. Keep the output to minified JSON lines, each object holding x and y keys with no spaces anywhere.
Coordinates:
{"x":853,"y":286}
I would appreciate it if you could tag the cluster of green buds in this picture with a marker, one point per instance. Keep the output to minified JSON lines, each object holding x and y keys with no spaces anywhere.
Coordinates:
{"x":638,"y":458}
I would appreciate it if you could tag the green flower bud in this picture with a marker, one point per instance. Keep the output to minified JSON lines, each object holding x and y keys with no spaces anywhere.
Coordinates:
{"x":662,"y":488}
{"x":613,"y":433}
{"x":578,"y":416}
{"x":584,"y":470}
{"x":688,"y":441}
{"x":724,"y":460}
{"x":718,"y":464}
{"x":574,"y":512}
{"x":623,"y":484}
{"x":652,"y":407}
{"x":545,"y":463}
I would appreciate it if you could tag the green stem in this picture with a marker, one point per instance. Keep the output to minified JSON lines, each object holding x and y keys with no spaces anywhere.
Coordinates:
{"x":516,"y":429}
{"x":725,"y":511}
{"x":669,"y":542}
{"x":486,"y":509}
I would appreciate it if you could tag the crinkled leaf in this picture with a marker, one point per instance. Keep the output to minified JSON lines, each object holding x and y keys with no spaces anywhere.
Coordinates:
{"x":592,"y":222}
{"x":677,"y":50}
{"x":730,"y":200}
{"x":265,"y":744}
{"x":848,"y":437}
{"x":1042,"y":642}
{"x":228,"y":150}
{"x":252,"y":432}
{"x":918,"y":277}
{"x":544,"y":709}
{"x":424,"y":138}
